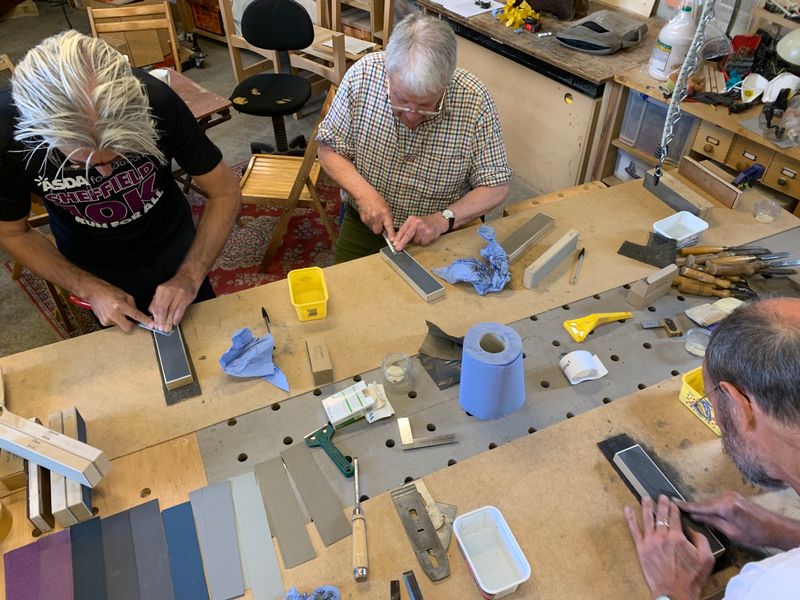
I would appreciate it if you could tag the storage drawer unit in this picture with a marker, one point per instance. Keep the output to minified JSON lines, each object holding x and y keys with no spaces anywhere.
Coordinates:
{"x":745,"y":153}
{"x":784,"y":174}
{"x":713,"y":141}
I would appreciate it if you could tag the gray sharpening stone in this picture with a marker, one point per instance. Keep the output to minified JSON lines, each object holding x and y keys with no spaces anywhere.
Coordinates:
{"x":553,"y":256}
{"x":285,"y":515}
{"x":520,"y":240}
{"x":320,"y":499}
{"x":413,"y":274}
{"x":172,"y":358}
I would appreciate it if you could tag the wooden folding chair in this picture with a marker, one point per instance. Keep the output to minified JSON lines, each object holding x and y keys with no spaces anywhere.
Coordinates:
{"x":288,"y":182}
{"x":327,"y":64}
{"x":150,"y":17}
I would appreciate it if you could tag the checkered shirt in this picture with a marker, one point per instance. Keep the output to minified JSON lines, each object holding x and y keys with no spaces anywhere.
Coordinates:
{"x":423,"y":171}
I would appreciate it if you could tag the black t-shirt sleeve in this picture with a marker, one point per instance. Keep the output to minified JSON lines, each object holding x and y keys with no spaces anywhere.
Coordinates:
{"x":15,"y":195}
{"x":182,"y":137}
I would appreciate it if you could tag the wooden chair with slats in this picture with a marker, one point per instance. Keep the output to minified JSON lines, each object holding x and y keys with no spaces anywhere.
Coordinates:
{"x":124,"y":19}
{"x":288,"y":182}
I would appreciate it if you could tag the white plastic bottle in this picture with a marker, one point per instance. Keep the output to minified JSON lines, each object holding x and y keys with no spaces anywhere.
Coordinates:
{"x":673,"y":44}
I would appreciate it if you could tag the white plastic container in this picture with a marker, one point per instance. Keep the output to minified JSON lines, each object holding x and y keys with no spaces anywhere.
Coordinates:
{"x":683,"y":226}
{"x":492,"y":553}
{"x":672,"y":44}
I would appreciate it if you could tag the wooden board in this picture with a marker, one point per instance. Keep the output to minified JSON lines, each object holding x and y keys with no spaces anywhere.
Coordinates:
{"x":113,"y":379}
{"x":712,"y":179}
{"x":578,"y":544}
{"x":597,"y":69}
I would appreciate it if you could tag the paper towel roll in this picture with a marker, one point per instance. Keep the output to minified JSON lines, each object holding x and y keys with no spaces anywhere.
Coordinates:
{"x":492,"y":377}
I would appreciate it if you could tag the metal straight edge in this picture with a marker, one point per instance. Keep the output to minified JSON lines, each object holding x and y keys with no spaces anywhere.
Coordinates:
{"x":526,"y":235}
{"x":260,"y":558}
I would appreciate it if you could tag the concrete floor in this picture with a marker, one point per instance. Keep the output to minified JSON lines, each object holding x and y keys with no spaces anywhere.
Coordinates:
{"x":21,"y":325}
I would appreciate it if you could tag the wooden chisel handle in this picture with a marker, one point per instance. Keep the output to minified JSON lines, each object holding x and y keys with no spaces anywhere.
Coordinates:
{"x":690,"y":286}
{"x":750,"y":268}
{"x":360,"y":558}
{"x":732,"y":260}
{"x":705,"y":277}
{"x":701,"y":259}
{"x":702,"y":250}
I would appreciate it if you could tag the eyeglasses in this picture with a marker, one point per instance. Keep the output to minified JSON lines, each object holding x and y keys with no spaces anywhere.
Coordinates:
{"x":416,"y":111}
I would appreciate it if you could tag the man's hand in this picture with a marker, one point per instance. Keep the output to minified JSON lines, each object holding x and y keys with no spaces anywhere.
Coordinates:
{"x":745,"y":521}
{"x":112,"y":306}
{"x":170,"y":301}
{"x":420,"y":230}
{"x":673,"y":565}
{"x":376,"y":214}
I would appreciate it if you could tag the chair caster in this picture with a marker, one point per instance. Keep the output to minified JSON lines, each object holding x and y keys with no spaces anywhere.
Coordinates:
{"x":261,"y":148}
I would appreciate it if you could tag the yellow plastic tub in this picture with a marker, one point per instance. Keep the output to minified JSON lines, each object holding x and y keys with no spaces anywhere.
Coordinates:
{"x":308,"y":293}
{"x":692,"y":395}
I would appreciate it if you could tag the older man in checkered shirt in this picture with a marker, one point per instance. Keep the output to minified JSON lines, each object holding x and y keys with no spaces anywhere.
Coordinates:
{"x":414,"y":143}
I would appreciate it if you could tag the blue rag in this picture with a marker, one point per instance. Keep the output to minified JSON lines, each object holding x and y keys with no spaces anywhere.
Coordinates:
{"x":250,"y":356}
{"x":485,"y":278}
{"x":326,"y":592}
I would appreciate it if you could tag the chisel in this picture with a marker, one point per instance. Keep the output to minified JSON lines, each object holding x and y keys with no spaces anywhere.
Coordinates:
{"x":705,"y":277}
{"x":746,"y":258}
{"x":715,"y":249}
{"x":360,"y":559}
{"x":690,"y":286}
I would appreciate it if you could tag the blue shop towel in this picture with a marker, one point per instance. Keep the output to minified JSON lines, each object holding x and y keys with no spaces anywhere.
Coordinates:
{"x":326,"y":592}
{"x":252,"y":357}
{"x":485,"y":278}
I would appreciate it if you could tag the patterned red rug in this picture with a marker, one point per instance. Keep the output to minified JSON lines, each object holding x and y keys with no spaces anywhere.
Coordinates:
{"x":305,"y":244}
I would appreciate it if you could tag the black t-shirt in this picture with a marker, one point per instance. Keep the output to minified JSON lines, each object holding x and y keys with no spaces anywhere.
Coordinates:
{"x":121,"y":220}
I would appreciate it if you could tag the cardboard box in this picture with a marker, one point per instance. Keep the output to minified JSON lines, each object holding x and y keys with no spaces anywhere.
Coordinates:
{"x":143,"y":48}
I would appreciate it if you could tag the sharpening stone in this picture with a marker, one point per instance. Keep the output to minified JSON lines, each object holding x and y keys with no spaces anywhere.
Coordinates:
{"x":58,"y":483}
{"x":553,"y":256}
{"x":40,"y":571}
{"x":88,"y":566}
{"x":122,"y":581}
{"x":648,"y":480}
{"x":79,"y":497}
{"x":215,"y":521}
{"x":321,"y":501}
{"x":260,"y":559}
{"x":320,"y":359}
{"x":521,"y":239}
{"x":150,"y":547}
{"x":173,"y":360}
{"x":23,"y":569}
{"x":413,"y":274}
{"x":40,"y":513}
{"x":186,"y":564}
{"x":284,"y":513}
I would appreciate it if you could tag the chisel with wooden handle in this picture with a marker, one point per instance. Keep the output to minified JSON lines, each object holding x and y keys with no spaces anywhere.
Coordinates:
{"x":715,"y":249}
{"x":690,"y":286}
{"x":360,"y":558}
{"x":705,"y":278}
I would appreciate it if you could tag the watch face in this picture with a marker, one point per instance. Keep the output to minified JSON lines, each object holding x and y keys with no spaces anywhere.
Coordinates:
{"x":448,"y":214}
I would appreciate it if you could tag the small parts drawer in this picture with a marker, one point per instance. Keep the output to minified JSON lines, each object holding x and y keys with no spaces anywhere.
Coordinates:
{"x":745,"y":153}
{"x":784,"y":174}
{"x":713,"y":141}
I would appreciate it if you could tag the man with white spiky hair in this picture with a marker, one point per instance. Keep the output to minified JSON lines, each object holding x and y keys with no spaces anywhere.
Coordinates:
{"x":95,"y":140}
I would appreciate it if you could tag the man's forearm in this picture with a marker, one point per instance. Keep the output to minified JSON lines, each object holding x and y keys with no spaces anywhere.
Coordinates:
{"x":344,"y":172}
{"x":40,"y":255}
{"x":478,"y":202}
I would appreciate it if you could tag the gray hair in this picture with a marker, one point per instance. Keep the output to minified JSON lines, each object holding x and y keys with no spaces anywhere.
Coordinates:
{"x":757,"y":348}
{"x":78,"y":92}
{"x":421,"y":54}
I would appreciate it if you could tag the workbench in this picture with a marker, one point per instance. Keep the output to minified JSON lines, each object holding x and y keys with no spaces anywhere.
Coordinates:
{"x":720,"y":136}
{"x":577,"y":549}
{"x":543,"y":91}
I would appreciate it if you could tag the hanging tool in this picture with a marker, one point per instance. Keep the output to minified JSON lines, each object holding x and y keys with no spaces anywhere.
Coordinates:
{"x":580,"y":328}
{"x":359,"y":521}
{"x":578,"y":265}
{"x":323,"y":438}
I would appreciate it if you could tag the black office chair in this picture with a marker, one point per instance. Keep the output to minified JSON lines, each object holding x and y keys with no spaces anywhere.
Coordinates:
{"x":280,"y":25}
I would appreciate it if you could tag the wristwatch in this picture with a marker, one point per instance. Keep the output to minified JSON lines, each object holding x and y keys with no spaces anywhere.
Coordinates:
{"x":451,"y":218}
